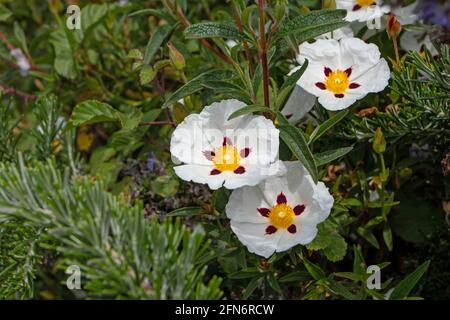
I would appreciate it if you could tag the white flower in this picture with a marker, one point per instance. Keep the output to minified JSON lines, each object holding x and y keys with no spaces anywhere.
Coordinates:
{"x":341,"y":72}
{"x":280,"y":212}
{"x":234,"y":153}
{"x":362,"y":10}
{"x":338,"y":34}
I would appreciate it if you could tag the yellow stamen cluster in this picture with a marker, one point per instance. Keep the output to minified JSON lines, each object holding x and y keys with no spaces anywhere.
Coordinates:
{"x":281,"y":216}
{"x":226,"y":158}
{"x":337,"y":82}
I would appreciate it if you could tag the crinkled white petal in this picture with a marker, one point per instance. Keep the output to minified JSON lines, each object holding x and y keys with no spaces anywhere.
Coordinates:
{"x":205,"y":132}
{"x":299,"y":188}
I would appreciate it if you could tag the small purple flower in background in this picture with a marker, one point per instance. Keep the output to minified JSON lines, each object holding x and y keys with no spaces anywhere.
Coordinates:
{"x":435,"y":12}
{"x":419,"y":152}
{"x":151,"y":161}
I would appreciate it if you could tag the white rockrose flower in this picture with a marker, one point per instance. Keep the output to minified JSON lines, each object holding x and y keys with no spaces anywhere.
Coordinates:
{"x":362,"y":10}
{"x":280,"y":212}
{"x":341,"y":72}
{"x":21,"y":60}
{"x":232,"y":153}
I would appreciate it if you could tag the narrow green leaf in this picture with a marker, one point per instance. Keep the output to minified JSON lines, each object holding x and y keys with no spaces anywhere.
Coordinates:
{"x":188,"y":211}
{"x":339,"y":289}
{"x":294,"y":77}
{"x":328,"y":124}
{"x":197,"y":84}
{"x":368,"y":235}
{"x":387,"y":237}
{"x":405,"y":286}
{"x":296,"y":276}
{"x":313,"y":24}
{"x":296,"y":142}
{"x":273,"y":282}
{"x":213,"y":30}
{"x":253,"y":284}
{"x":248,"y":109}
{"x":5,"y":14}
{"x":313,"y":269}
{"x":330,"y":155}
{"x":157,"y":40}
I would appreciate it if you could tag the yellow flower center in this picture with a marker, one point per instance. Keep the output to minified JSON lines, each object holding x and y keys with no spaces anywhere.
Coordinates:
{"x":365,"y":3}
{"x":226,"y":158}
{"x":337,"y":82}
{"x":281,"y":216}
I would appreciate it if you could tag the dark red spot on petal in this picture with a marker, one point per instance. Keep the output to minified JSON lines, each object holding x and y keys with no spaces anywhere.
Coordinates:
{"x":373,"y":4}
{"x":264,"y":212}
{"x":356,"y":7}
{"x":215,"y":172}
{"x":292,"y":228}
{"x":348,"y":71}
{"x":226,"y":141}
{"x":354,"y":85}
{"x":240,"y":170}
{"x":281,"y":198}
{"x":327,"y":71}
{"x":288,"y":116}
{"x":321,"y":85}
{"x":298,"y":210}
{"x":339,"y":95}
{"x":245,"y":152}
{"x":271,"y":229}
{"x":209,"y":155}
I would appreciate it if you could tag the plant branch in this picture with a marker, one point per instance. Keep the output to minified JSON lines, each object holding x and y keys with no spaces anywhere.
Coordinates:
{"x":263,"y":52}
{"x":21,"y":94}
{"x":241,"y":29}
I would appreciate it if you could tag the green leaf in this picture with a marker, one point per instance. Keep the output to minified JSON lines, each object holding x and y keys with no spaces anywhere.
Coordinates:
{"x":296,"y":276}
{"x":20,"y":36}
{"x":379,"y":142}
{"x":165,"y":186}
{"x":197,"y":84}
{"x":188,"y":211}
{"x":5,"y":14}
{"x":330,"y":155}
{"x":91,"y":15}
{"x":247,"y":273}
{"x":313,"y":24}
{"x":324,"y":127}
{"x":341,"y":290}
{"x":387,"y":237}
{"x":294,"y":77}
{"x":313,"y":269}
{"x":273,"y":282}
{"x":368,"y":236}
{"x":405,"y":286}
{"x":296,"y":142}
{"x":157,"y":40}
{"x":147,"y":74}
{"x":213,"y":30}
{"x":349,"y":275}
{"x":253,"y":284}
{"x":248,"y":109}
{"x":131,"y":119}
{"x":93,"y":111}
{"x":337,"y":249}
{"x":64,"y":63}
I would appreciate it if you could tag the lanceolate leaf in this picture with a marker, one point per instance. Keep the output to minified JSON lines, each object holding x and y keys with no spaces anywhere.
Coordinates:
{"x":157,"y":40}
{"x":330,"y":155}
{"x":248,"y":109}
{"x":320,"y":130}
{"x":296,"y":142}
{"x":313,"y":269}
{"x":313,"y":24}
{"x":197,"y":84}
{"x":188,"y":211}
{"x":405,"y":286}
{"x":213,"y":30}
{"x":294,"y":77}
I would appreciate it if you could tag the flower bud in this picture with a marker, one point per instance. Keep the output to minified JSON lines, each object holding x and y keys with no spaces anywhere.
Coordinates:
{"x":176,"y":57}
{"x":379,"y":142}
{"x":393,"y":26}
